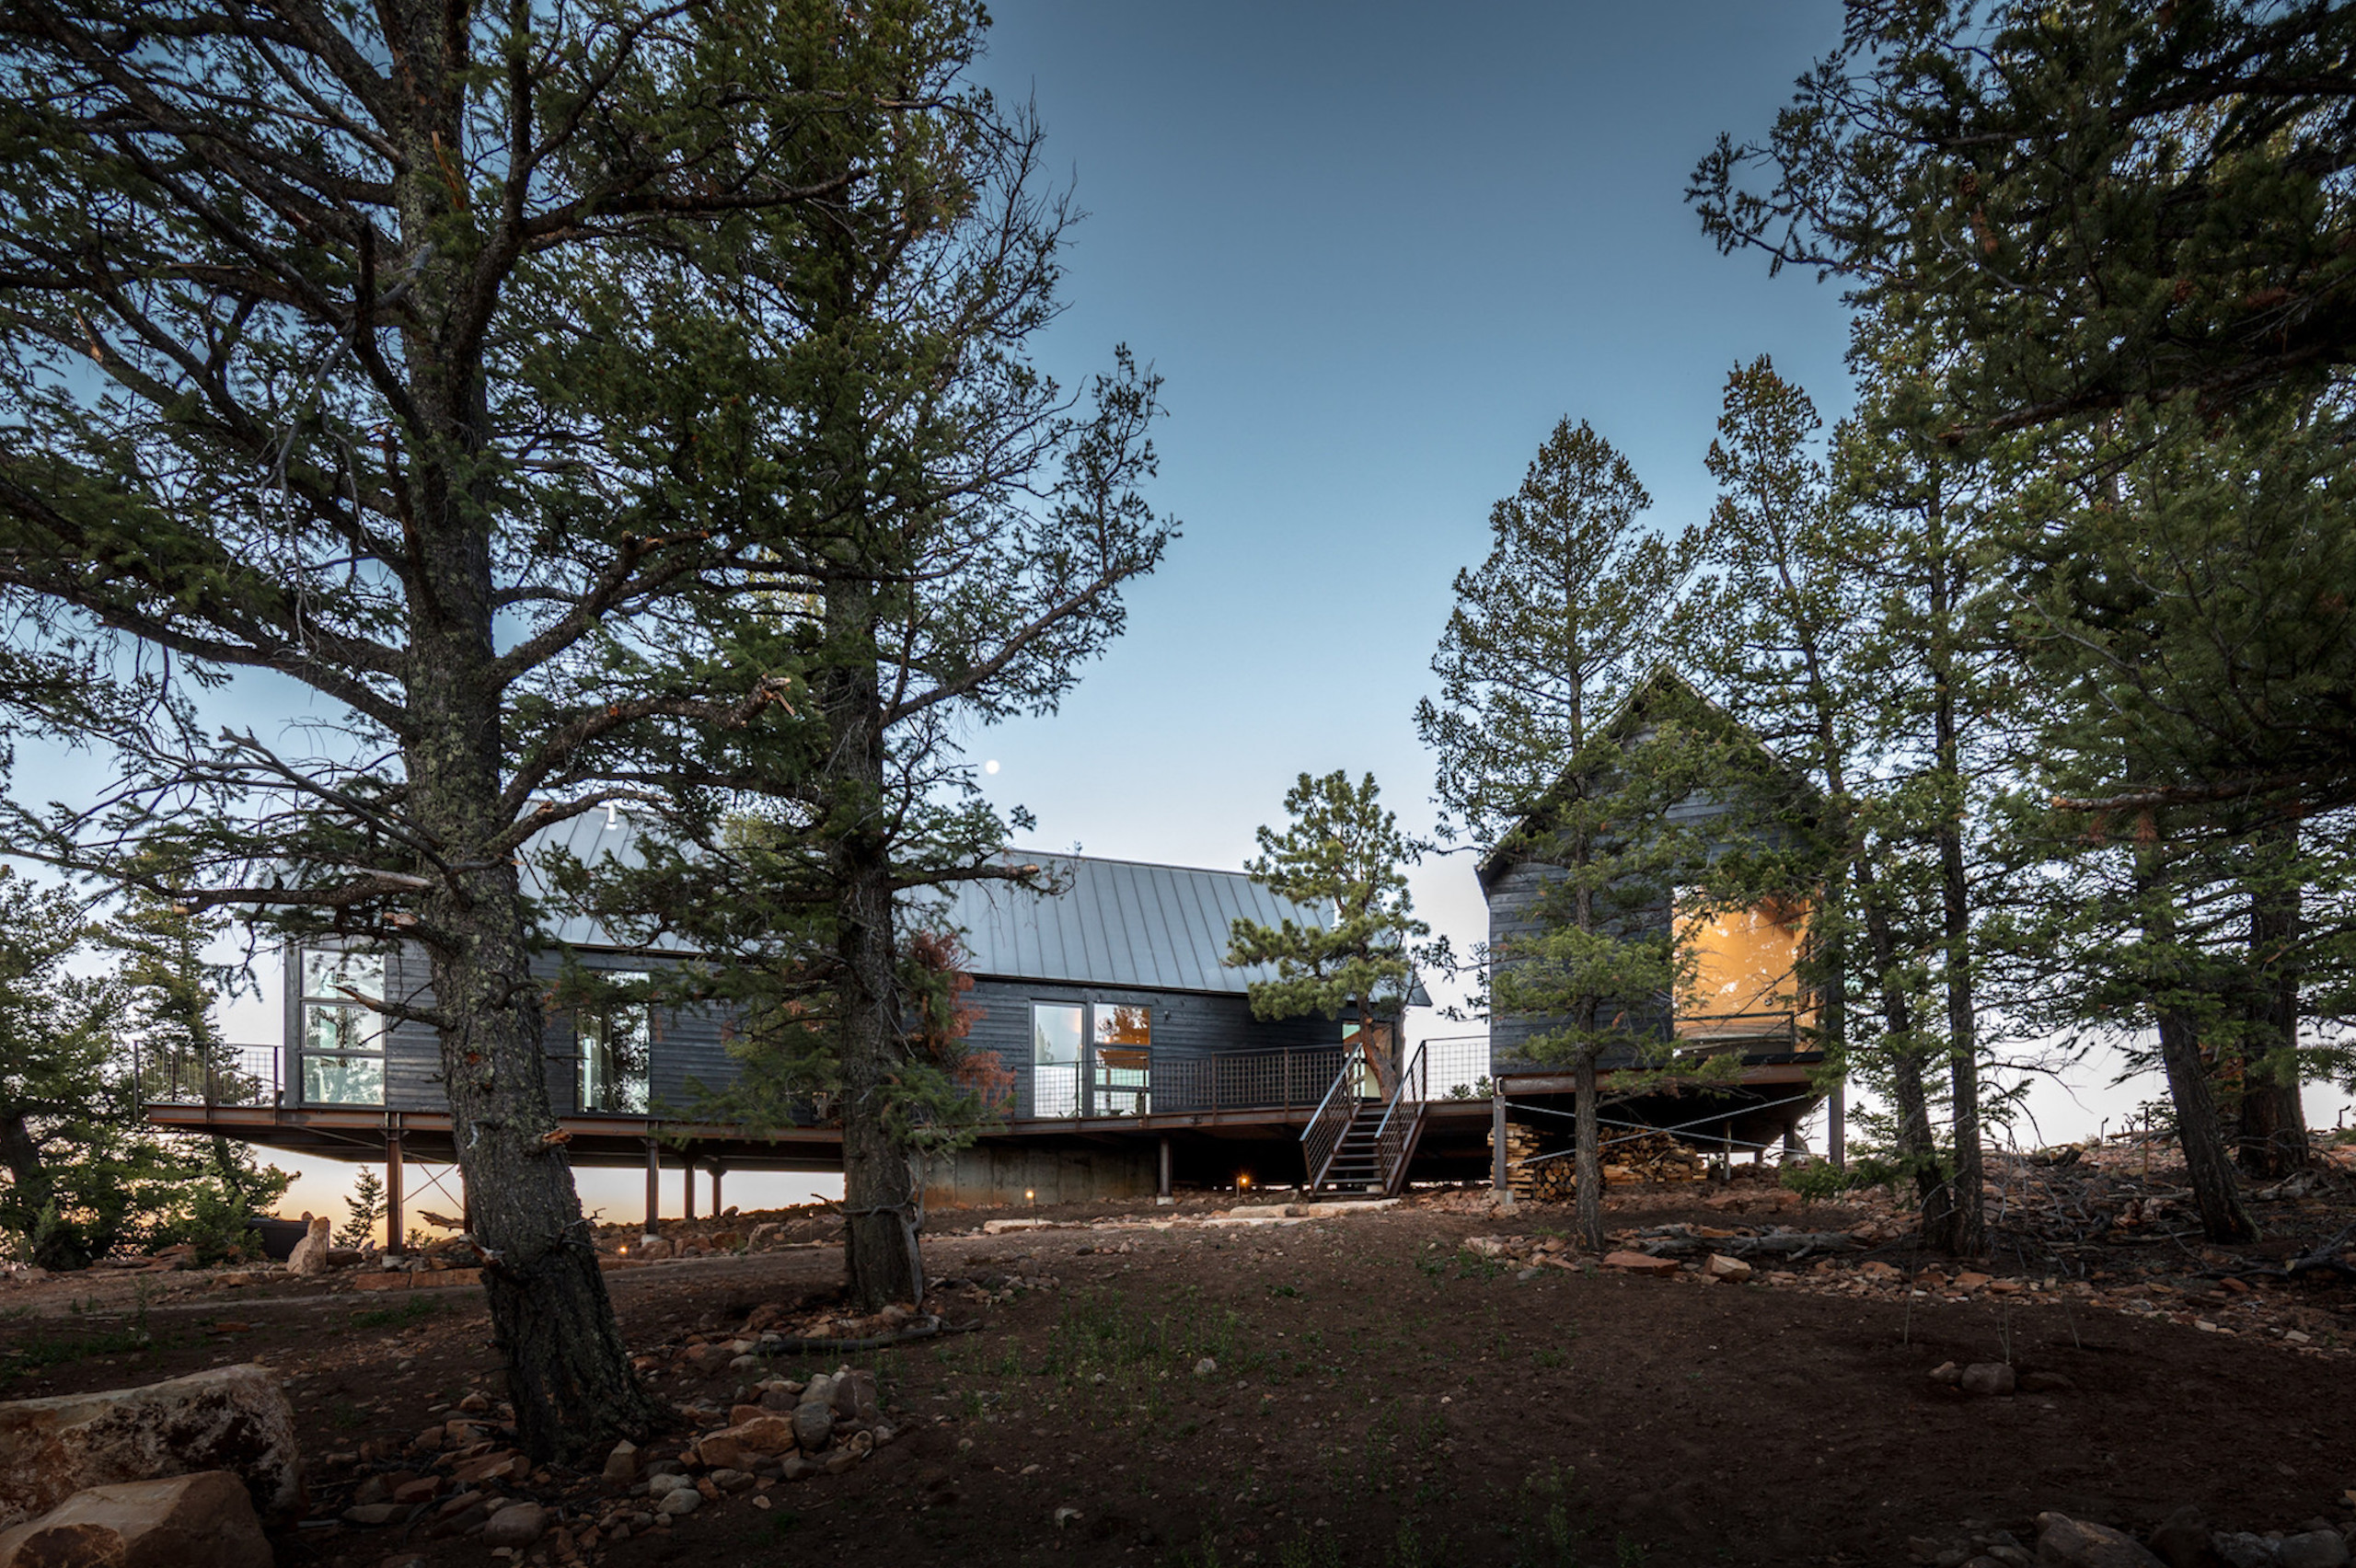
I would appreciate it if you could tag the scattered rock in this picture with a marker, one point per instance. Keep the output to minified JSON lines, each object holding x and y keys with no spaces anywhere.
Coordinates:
{"x":721,"y":1451}
{"x":230,"y":1418}
{"x":798,"y":1468}
{"x":855,"y":1397}
{"x":2241,"y":1550}
{"x":518,"y":1523}
{"x":2182,"y":1539}
{"x":203,"y":1520}
{"x":475,"y":1404}
{"x":1946,"y":1372}
{"x":814,"y":1426}
{"x":372,"y":1515}
{"x":662,"y":1486}
{"x":2066,"y":1542}
{"x":660,"y":1247}
{"x":764,"y":1434}
{"x":2312,"y":1548}
{"x":1066,"y":1515}
{"x":1639,"y":1264}
{"x":311,"y":1254}
{"x":1988,"y":1378}
{"x":621,"y":1463}
{"x":1205,"y":1367}
{"x":685,"y":1500}
{"x":1720,"y":1266}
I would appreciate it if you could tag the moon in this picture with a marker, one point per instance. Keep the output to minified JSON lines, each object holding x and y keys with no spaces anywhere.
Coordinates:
{"x":991,"y":767}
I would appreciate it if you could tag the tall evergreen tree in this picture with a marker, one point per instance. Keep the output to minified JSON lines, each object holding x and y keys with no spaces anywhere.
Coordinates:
{"x":1343,"y":852}
{"x":1549,"y":639}
{"x":950,"y":537}
{"x":2101,"y":210}
{"x":301,"y":376}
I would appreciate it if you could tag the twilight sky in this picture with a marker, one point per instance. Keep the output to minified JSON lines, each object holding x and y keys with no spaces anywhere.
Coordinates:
{"x":1377,"y":249}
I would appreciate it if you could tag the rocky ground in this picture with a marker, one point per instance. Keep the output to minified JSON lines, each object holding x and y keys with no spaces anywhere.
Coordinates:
{"x":1753,"y":1381}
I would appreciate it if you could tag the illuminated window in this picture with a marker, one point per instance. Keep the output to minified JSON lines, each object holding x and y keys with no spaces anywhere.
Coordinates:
{"x":1123,"y":1084}
{"x":1744,"y":982}
{"x":618,"y":1053}
{"x":343,"y":1038}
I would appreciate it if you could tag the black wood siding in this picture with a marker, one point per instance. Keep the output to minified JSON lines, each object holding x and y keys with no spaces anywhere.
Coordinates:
{"x":690,"y":1044}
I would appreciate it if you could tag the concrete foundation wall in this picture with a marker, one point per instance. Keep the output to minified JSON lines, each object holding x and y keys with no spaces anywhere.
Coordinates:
{"x":988,"y":1175}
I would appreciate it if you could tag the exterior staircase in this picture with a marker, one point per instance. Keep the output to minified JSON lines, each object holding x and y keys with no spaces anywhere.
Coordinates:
{"x":1361,"y":1146}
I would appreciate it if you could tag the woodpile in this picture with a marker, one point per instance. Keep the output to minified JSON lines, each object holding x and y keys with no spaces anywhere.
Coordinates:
{"x":1655,"y":1156}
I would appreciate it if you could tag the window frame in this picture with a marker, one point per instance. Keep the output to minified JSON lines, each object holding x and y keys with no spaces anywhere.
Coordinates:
{"x":591,"y":1027}
{"x":332,"y":967}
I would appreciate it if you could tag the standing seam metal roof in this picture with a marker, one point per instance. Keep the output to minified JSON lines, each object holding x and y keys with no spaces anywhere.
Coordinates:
{"x":1111,"y":923}
{"x":1114,"y":923}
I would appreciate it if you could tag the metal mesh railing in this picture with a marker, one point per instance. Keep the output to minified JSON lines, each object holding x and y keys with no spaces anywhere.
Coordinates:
{"x":241,"y":1074}
{"x":1244,"y":1080}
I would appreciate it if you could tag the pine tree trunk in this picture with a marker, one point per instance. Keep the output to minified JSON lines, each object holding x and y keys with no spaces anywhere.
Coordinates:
{"x":1589,"y":1155}
{"x":2207,"y":1162}
{"x":2272,"y":1134}
{"x":1966,"y":1223}
{"x":568,"y":1371}
{"x":1917,"y":1145}
{"x":880,"y":1251}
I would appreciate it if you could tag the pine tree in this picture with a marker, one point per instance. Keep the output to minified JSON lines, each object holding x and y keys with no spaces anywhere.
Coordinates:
{"x":84,"y":1174}
{"x":1342,"y":852}
{"x":948,"y":536}
{"x":365,"y":1209}
{"x":309,"y":372}
{"x":1551,"y":637}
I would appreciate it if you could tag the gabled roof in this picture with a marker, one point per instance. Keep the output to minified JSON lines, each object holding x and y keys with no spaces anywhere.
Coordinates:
{"x":1664,"y":686}
{"x":1125,"y":923}
{"x":1111,"y":923}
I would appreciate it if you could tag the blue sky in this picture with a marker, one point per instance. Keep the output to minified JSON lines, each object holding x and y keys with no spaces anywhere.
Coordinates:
{"x":1377,"y":251}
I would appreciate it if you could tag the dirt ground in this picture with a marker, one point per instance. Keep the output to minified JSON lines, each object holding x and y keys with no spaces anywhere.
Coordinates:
{"x":1399,"y":1388}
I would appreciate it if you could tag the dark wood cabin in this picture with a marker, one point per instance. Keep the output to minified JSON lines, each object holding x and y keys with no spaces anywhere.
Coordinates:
{"x":1746,"y":1000}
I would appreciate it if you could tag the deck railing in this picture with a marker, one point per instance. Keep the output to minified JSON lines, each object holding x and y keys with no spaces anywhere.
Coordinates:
{"x":241,"y":1075}
{"x":1244,"y":1080}
{"x":1401,"y":1121}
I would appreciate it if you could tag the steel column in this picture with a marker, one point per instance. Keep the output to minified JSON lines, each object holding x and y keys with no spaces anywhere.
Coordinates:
{"x":653,"y":1188}
{"x":1499,"y":1179}
{"x":1836,"y":1137}
{"x":393,"y":1190}
{"x":1162,"y":1190}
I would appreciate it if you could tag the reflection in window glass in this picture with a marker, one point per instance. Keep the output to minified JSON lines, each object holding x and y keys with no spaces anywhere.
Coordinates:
{"x":343,"y":1080}
{"x":1056,"y":1033}
{"x":342,"y":1041}
{"x":330,"y":975}
{"x":617,"y":1055}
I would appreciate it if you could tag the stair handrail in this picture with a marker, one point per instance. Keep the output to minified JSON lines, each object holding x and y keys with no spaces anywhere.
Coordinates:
{"x":1321,"y":1139}
{"x":1390,"y":1146}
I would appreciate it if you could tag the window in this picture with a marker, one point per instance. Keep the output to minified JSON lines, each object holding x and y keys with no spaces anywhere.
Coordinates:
{"x":618,"y":1053}
{"x":1123,"y":1061}
{"x":1056,"y":1030}
{"x":343,"y":1038}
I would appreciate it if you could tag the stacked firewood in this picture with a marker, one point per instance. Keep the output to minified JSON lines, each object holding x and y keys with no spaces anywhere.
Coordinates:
{"x":1655,"y":1156}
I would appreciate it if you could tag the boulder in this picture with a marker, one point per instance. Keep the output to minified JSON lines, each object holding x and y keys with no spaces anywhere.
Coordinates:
{"x":855,"y":1397}
{"x":311,"y":1254}
{"x":2182,"y":1539}
{"x":1988,"y":1378}
{"x":720,"y":1451}
{"x":1720,"y":1266}
{"x":230,"y":1418}
{"x":518,"y":1523}
{"x":2066,"y":1542}
{"x":2312,"y":1548}
{"x":814,"y":1426}
{"x":203,"y":1520}
{"x":685,"y":1500}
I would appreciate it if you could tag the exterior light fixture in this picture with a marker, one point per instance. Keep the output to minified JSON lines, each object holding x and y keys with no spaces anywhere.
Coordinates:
{"x":1029,"y":1196}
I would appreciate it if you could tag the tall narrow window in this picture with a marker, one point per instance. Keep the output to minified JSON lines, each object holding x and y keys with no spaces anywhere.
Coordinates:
{"x":618,"y":1053}
{"x":1123,"y":1086}
{"x":1056,"y":1030}
{"x":343,"y":1039}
